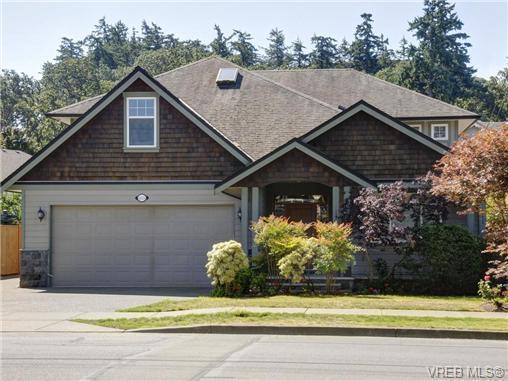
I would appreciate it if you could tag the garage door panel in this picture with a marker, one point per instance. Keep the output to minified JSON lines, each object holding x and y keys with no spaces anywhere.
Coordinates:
{"x":136,"y":246}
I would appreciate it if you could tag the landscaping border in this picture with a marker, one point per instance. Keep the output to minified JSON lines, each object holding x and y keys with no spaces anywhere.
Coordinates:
{"x":331,"y":331}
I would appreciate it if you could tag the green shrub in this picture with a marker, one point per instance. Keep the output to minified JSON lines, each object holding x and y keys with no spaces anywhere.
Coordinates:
{"x":11,"y":202}
{"x":334,"y":250}
{"x":276,"y":238}
{"x":225,"y":261}
{"x":447,"y":260}
{"x":292,"y":265}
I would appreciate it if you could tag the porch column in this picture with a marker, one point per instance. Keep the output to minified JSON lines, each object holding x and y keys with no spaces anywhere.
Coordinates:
{"x":244,"y":222}
{"x":335,"y":203}
{"x":255,"y":215}
{"x":347,"y":193}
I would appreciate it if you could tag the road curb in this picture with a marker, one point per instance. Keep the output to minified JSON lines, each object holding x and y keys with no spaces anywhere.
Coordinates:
{"x":331,"y":331}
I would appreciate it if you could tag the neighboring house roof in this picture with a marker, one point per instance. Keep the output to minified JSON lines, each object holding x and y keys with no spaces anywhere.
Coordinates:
{"x":344,"y":87}
{"x":479,"y":124}
{"x":10,"y":161}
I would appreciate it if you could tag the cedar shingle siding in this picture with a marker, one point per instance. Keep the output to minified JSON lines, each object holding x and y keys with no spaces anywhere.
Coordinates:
{"x":375,"y":150}
{"x":295,"y":166}
{"x":95,"y":152}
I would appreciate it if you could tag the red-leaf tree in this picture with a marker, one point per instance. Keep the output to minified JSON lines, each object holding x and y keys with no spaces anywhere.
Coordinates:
{"x":474,"y":174}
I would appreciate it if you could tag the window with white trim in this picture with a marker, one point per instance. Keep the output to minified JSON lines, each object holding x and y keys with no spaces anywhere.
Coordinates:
{"x":141,"y":128}
{"x":416,"y":127}
{"x":440,"y":131}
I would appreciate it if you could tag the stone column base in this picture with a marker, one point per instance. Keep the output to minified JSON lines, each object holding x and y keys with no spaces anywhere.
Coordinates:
{"x":34,"y":268}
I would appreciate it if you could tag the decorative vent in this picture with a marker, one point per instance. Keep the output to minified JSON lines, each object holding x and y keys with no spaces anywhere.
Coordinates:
{"x":227,"y":76}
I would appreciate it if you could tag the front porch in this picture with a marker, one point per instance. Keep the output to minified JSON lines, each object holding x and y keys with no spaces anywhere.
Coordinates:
{"x":298,"y":201}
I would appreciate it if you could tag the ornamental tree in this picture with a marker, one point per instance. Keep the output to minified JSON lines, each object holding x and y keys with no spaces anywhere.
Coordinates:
{"x":333,"y":249}
{"x":391,"y":215}
{"x":474,"y":174}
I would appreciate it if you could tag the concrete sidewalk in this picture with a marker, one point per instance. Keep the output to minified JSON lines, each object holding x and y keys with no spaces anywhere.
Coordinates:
{"x":60,"y":321}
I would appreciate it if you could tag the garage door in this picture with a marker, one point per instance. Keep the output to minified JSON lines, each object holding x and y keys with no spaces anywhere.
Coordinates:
{"x":142,"y":246}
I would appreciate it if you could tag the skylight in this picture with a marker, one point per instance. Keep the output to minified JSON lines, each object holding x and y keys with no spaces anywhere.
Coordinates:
{"x":227,"y":76}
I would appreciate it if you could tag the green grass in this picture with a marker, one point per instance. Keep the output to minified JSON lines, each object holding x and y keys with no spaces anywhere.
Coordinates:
{"x":397,"y":302}
{"x":284,"y":319}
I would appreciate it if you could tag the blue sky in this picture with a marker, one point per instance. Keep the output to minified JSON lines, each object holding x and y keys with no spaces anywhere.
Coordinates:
{"x":31,"y":30}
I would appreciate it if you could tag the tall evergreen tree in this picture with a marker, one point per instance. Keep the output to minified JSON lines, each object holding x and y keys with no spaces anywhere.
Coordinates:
{"x":219,"y":45}
{"x":246,"y":50}
{"x":276,"y":53}
{"x":344,"y":54}
{"x":97,"y":44}
{"x":366,"y":48}
{"x":152,"y":36}
{"x":403,"y":51}
{"x":439,"y":64}
{"x":69,"y":49}
{"x":299,"y":58}
{"x":324,"y":54}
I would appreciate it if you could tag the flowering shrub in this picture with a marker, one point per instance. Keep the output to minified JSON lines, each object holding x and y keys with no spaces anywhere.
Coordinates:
{"x":492,"y":294}
{"x":334,"y":250}
{"x":225,"y":261}
{"x":292,"y":266}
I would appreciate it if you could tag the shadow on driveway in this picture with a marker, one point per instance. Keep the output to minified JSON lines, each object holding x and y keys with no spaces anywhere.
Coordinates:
{"x":15,"y":299}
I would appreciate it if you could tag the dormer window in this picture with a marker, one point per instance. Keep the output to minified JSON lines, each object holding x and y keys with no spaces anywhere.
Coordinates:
{"x":440,"y":131}
{"x":141,"y":122}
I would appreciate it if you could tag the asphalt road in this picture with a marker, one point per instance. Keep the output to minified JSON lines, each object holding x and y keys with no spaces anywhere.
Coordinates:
{"x":145,"y":356}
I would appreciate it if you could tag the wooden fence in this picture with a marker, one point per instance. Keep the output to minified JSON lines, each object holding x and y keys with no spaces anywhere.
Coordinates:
{"x":10,"y":237}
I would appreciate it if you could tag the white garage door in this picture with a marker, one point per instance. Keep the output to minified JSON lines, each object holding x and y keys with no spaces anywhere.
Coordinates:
{"x":142,"y":246}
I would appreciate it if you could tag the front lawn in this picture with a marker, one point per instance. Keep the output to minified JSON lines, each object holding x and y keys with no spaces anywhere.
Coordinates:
{"x":397,"y":302}
{"x":281,"y":319}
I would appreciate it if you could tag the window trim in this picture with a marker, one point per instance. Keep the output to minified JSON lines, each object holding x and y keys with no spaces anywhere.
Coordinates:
{"x":433,"y":129}
{"x":417,"y":126}
{"x":141,"y":148}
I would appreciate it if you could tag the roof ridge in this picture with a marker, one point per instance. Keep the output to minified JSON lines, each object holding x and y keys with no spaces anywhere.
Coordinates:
{"x":155,"y":76}
{"x":186,"y":65}
{"x":309,"y":69}
{"x":303,"y":95}
{"x":413,"y":91}
{"x":373,"y":77}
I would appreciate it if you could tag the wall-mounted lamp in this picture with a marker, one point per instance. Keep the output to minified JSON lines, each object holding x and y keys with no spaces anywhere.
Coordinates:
{"x":41,"y":214}
{"x":239,"y":213}
{"x":142,"y":197}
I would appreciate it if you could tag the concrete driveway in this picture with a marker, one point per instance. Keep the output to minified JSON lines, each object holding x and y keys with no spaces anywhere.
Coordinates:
{"x":30,"y":309}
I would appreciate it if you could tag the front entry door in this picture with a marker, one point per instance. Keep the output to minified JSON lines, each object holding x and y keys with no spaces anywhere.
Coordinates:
{"x":305,"y":212}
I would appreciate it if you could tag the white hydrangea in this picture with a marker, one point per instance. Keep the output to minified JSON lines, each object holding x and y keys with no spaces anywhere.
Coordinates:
{"x":225,"y":260}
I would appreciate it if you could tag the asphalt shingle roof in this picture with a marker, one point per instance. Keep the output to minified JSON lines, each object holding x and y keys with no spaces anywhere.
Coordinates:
{"x":270,"y":107}
{"x":10,"y":160}
{"x":345,"y":87}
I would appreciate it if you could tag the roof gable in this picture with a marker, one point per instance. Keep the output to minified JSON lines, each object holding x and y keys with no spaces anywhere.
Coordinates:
{"x":137,"y":74}
{"x":363,"y":106}
{"x":281,"y":151}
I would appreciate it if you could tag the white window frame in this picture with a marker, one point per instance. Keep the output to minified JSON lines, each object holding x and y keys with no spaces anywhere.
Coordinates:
{"x":154,"y":117}
{"x":416,"y":127}
{"x":433,"y":129}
